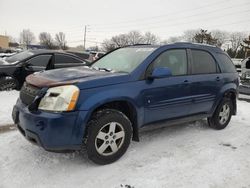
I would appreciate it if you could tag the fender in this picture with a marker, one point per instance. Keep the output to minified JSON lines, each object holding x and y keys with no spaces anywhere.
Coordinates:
{"x":98,"y":99}
{"x":230,"y":87}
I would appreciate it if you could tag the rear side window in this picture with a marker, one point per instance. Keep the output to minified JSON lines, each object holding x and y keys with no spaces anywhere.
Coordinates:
{"x":65,"y":59}
{"x":203,"y":62}
{"x":40,"y":61}
{"x":175,"y":60}
{"x":226,"y":65}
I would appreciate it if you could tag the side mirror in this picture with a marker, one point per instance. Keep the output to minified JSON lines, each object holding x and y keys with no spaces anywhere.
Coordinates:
{"x":160,"y":72}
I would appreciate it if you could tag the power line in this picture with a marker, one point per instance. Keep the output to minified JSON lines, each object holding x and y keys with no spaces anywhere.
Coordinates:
{"x":148,"y":18}
{"x":232,"y":23}
{"x":163,"y":15}
{"x":194,"y":15}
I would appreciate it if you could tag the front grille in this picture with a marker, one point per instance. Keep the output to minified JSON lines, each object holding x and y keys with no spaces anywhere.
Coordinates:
{"x":28,"y":93}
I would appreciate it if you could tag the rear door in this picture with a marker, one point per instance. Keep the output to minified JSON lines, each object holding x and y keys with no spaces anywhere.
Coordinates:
{"x":167,"y":98}
{"x":206,"y":81}
{"x":64,"y":61}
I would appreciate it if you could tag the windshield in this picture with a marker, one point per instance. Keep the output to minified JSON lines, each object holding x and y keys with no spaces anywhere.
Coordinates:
{"x":124,"y":59}
{"x":19,"y":56}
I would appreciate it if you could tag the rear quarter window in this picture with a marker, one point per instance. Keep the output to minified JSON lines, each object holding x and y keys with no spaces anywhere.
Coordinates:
{"x":65,"y":59}
{"x":225,"y":63}
{"x":203,"y":62}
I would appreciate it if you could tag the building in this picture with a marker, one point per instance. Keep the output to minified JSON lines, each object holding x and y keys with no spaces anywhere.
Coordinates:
{"x":4,"y":41}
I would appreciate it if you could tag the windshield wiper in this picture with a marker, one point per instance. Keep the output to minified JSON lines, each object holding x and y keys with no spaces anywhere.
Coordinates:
{"x":103,"y":69}
{"x":106,"y":69}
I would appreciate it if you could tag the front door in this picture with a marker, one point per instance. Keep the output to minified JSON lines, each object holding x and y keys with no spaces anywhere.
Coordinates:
{"x":167,"y":98}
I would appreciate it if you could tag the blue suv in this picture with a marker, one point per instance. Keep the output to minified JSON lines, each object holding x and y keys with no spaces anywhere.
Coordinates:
{"x":104,"y":106}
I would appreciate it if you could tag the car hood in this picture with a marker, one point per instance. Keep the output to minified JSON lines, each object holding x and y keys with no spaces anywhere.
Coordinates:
{"x":80,"y":76}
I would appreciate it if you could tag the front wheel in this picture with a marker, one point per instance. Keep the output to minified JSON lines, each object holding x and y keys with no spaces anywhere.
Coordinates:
{"x":222,"y":115}
{"x":7,"y":84}
{"x":109,"y":135}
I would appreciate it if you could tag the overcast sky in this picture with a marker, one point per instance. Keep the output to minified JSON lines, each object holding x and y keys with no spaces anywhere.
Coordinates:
{"x":106,"y":18}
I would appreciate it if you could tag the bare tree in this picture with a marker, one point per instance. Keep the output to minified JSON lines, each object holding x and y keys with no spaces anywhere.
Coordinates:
{"x":120,"y":40}
{"x":172,"y":40}
{"x":26,"y":37}
{"x":236,"y":38}
{"x":189,"y":35}
{"x":221,"y":36}
{"x":46,"y":40}
{"x":135,"y":37}
{"x":61,"y":40}
{"x":131,"y":38}
{"x":108,"y":45}
{"x":204,"y":37}
{"x":150,"y":38}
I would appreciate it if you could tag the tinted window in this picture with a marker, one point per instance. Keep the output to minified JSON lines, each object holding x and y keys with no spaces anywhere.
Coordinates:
{"x":176,"y":60}
{"x":226,"y":65}
{"x":62,"y":59}
{"x":203,"y":62}
{"x":40,"y":61}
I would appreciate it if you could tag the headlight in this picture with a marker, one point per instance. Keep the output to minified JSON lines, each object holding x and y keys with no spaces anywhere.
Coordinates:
{"x":59,"y":99}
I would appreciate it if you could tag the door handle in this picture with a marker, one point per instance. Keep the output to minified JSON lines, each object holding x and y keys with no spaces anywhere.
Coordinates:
{"x":217,"y":78}
{"x":186,"y":81}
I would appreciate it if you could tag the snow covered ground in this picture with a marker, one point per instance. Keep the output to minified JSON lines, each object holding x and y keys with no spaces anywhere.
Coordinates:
{"x":7,"y":101}
{"x":190,"y":155}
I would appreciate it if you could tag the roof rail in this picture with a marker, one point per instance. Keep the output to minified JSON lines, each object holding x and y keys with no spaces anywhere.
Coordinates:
{"x":195,"y":43}
{"x":139,"y":44}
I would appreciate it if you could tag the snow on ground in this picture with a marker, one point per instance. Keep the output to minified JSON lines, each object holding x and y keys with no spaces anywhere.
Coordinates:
{"x":7,"y":101}
{"x":189,"y":155}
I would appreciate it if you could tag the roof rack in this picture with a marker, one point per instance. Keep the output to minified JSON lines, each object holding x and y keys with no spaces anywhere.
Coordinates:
{"x":195,"y":43}
{"x":140,"y":44}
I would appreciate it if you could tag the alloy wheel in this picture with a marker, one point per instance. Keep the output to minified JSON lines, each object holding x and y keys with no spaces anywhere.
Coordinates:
{"x":109,"y":139}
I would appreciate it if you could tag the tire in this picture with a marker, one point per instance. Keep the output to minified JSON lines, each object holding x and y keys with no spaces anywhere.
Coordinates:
{"x":7,"y":84}
{"x":221,"y":116}
{"x":108,"y":136}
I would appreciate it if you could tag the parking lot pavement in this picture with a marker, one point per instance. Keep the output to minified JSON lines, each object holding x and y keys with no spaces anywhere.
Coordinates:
{"x":189,"y":155}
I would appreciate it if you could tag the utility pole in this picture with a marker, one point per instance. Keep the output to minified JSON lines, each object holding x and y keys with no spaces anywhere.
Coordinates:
{"x":84,"y":40}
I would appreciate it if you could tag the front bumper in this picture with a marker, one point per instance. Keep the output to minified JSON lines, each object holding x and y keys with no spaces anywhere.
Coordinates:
{"x":52,"y":131}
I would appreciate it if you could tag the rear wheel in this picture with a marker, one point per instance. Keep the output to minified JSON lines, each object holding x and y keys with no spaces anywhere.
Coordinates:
{"x":7,"y":83}
{"x":222,"y":115}
{"x":109,"y":135}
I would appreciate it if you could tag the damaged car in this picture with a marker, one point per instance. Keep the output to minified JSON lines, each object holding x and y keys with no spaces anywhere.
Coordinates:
{"x":103,"y":107}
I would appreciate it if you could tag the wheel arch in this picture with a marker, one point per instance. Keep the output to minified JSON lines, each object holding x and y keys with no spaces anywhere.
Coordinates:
{"x":125,"y":106}
{"x":230,"y":92}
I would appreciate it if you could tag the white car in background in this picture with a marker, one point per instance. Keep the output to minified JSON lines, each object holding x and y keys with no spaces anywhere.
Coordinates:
{"x":245,"y":69}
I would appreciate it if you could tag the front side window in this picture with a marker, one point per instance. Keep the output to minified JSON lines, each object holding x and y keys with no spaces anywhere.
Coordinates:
{"x":203,"y":63}
{"x":175,"y":60}
{"x":40,"y":61}
{"x":124,"y":59}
